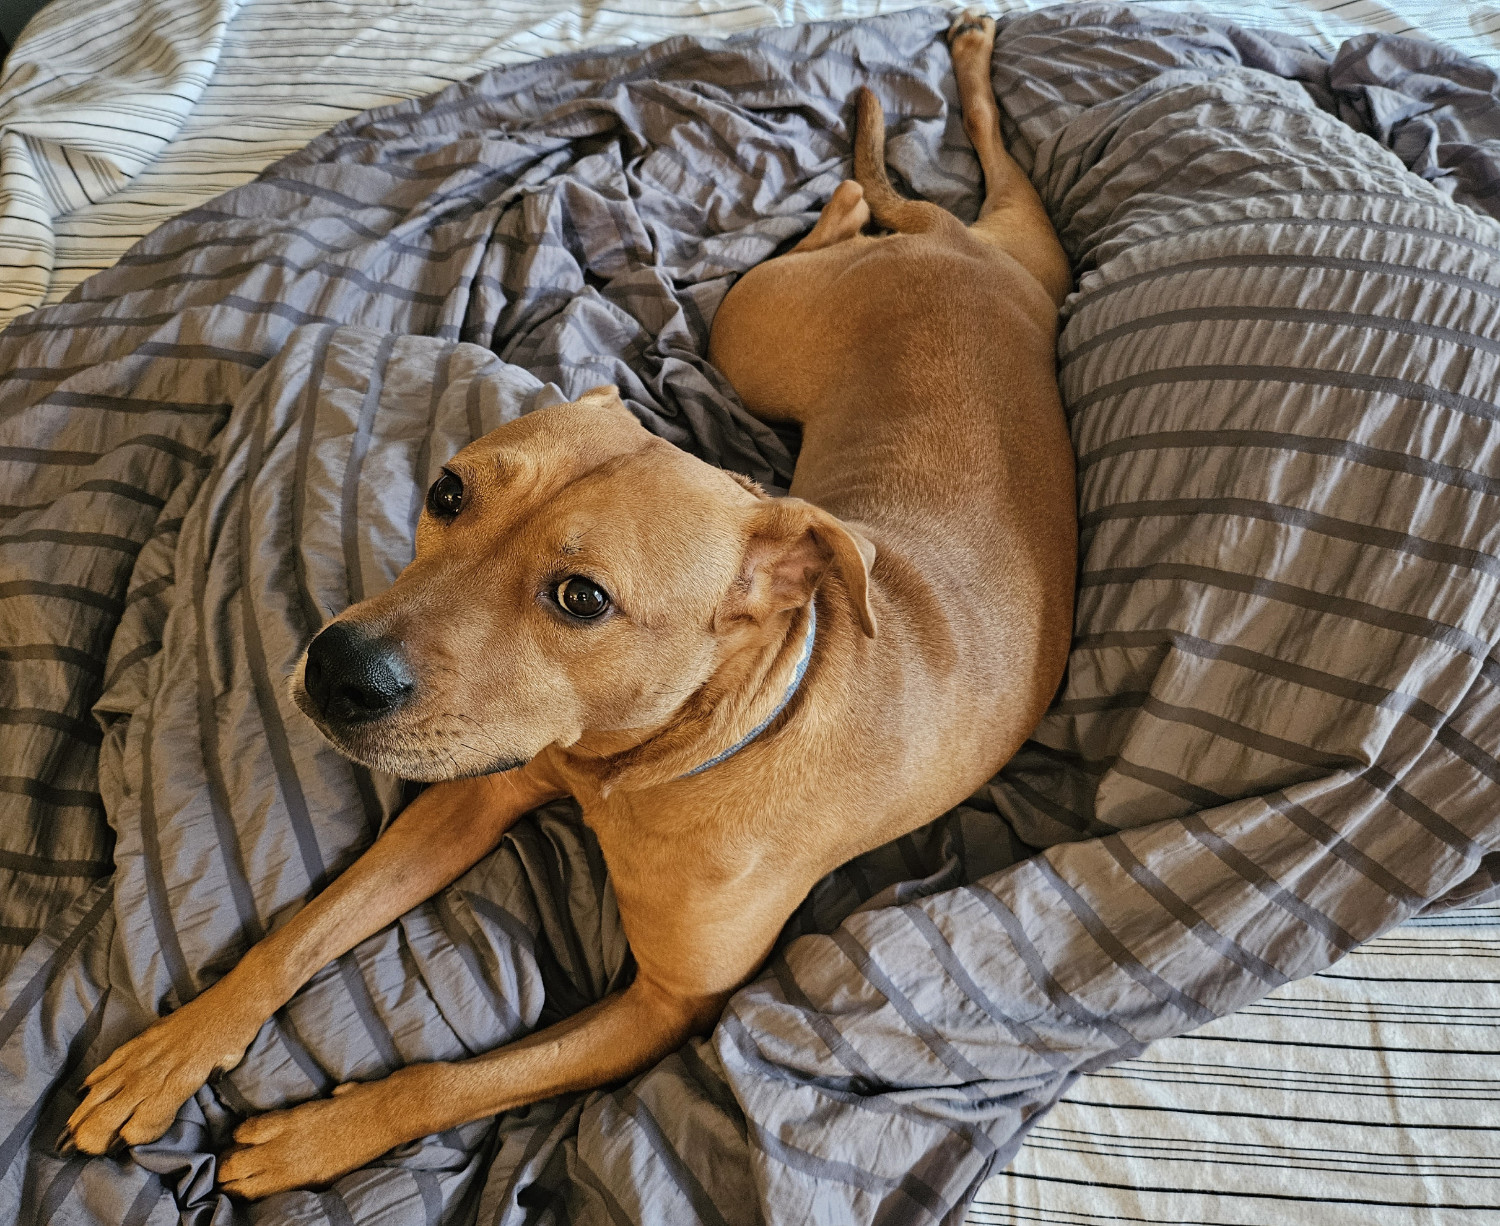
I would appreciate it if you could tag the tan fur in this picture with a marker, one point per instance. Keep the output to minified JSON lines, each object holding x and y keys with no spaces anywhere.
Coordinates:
{"x":932,"y":520}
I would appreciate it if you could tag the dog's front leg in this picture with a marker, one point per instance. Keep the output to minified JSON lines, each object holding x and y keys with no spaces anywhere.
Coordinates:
{"x":319,"y":1141}
{"x":134,"y":1095}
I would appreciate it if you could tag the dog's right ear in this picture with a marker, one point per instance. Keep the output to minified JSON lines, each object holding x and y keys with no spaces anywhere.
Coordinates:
{"x":790,"y":546}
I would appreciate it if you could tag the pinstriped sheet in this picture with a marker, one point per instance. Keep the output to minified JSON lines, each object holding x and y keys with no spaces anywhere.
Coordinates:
{"x":118,"y":114}
{"x":1277,"y":740}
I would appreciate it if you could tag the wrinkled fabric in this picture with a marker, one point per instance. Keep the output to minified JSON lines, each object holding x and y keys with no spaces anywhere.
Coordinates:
{"x":1276,"y":740}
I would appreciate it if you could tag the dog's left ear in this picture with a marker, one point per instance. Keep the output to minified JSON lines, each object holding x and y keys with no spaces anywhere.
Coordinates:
{"x":791,"y":545}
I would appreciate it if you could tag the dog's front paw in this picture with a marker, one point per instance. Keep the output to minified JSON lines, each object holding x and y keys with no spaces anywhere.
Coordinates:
{"x":134,"y":1095}
{"x":313,"y":1144}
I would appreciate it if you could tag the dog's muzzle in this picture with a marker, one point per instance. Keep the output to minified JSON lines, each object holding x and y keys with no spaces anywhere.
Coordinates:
{"x":352,"y":677}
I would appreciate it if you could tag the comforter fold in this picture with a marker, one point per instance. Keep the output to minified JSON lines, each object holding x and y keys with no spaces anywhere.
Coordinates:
{"x":1277,"y":739}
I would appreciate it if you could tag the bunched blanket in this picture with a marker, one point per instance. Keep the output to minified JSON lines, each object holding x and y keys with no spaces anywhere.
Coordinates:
{"x":1278,"y":736}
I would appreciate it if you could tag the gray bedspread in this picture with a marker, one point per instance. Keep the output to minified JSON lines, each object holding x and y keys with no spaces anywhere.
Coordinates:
{"x":1279,"y":732}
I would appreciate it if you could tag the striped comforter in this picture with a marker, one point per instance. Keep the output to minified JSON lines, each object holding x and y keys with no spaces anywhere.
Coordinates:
{"x":1277,"y":738}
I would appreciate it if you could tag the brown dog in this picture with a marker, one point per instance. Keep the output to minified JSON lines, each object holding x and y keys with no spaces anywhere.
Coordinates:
{"x":741,"y":692}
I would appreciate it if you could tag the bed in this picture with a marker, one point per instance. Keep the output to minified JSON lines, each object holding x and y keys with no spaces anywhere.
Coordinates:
{"x":1362,"y":1094}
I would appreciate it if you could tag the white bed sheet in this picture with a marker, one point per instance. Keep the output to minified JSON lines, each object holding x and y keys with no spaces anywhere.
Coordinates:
{"x":1367,"y":1096}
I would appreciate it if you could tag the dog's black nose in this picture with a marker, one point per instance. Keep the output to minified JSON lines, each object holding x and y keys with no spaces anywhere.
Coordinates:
{"x":353,"y":677}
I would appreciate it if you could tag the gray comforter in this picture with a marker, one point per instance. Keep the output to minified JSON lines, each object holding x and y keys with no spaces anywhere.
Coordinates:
{"x":1279,"y":732}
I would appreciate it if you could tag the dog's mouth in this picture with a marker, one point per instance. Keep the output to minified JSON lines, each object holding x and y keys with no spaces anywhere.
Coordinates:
{"x":433,"y":749}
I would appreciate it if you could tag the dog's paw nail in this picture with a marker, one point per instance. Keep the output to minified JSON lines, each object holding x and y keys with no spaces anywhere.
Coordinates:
{"x":66,"y":1146}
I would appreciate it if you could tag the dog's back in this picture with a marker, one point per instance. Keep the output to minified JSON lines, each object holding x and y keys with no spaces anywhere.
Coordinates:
{"x":921,"y":366}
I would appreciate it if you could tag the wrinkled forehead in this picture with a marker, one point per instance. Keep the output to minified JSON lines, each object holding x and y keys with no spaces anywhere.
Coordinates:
{"x":552,"y":445}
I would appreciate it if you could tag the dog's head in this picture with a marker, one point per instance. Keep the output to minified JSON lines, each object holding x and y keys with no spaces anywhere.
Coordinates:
{"x":573,"y":574}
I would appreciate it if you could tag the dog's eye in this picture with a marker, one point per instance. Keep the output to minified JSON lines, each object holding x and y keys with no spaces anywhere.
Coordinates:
{"x":446,"y":497}
{"x":581,"y":597}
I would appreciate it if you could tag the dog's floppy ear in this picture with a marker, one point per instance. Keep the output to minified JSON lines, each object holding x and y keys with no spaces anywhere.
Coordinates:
{"x":790,"y":546}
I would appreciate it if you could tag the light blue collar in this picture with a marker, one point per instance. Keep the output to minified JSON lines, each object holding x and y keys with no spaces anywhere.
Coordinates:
{"x":797,"y":674}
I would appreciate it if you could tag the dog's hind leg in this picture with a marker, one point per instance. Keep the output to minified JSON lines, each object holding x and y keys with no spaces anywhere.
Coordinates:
{"x":1012,"y":216}
{"x":844,"y":216}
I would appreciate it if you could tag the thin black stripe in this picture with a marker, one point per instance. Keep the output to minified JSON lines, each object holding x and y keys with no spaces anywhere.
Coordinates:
{"x":1274,"y":1196}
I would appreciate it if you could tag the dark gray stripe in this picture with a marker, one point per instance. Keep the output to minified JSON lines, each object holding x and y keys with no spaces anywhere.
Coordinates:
{"x":1297,"y":376}
{"x":1228,"y":949}
{"x":1272,"y":666}
{"x":1062,"y":1000}
{"x":17,"y":588}
{"x":430,"y":1191}
{"x":821,"y":1025}
{"x":307,"y":417}
{"x":1318,"y":829}
{"x":441,"y":378}
{"x":57,"y":653}
{"x":33,"y":717}
{"x":57,"y":1191}
{"x":1321,"y":602}
{"x":918,"y":1194}
{"x":47,"y":794}
{"x":1240,"y":734}
{"x":1248,"y":870}
{"x":1174,"y":231}
{"x":1369,"y":535}
{"x":1302,"y":444}
{"x":669,"y":1160}
{"x":49,"y":866}
{"x":463,"y":944}
{"x":956,"y":971}
{"x":1439,"y":827}
{"x":1196,"y":795}
{"x":158,"y":900}
{"x":78,"y":1045}
{"x":31,"y":993}
{"x":220,"y":803}
{"x":1115,"y":948}
{"x":126,"y":404}
{"x":471,"y":409}
{"x":85,"y":540}
{"x":266,"y":693}
{"x":145,"y":1201}
{"x":334,"y":1209}
{"x":953,"y":1059}
{"x":1295,"y":264}
{"x":349,"y":525}
{"x":1300,"y":316}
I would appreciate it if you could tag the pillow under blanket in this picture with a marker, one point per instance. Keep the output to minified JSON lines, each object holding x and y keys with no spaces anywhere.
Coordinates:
{"x":1277,"y":737}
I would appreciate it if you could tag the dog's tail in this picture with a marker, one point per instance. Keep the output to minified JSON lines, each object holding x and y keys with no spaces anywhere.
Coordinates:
{"x":890,"y":210}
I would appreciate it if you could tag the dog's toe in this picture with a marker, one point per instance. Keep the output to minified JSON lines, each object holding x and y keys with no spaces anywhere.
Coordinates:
{"x":971,"y":22}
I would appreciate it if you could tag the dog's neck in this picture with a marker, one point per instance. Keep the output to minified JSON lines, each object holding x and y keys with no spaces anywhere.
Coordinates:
{"x":749,"y":691}
{"x":799,"y":670}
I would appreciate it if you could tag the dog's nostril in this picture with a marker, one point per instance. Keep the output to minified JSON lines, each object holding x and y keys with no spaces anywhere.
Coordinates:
{"x":353,"y":677}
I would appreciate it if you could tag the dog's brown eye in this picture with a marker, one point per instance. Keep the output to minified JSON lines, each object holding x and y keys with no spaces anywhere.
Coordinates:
{"x":446,"y":497}
{"x":582,"y":597}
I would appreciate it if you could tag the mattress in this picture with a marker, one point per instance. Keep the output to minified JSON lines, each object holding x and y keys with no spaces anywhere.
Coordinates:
{"x":1365,"y":1094}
